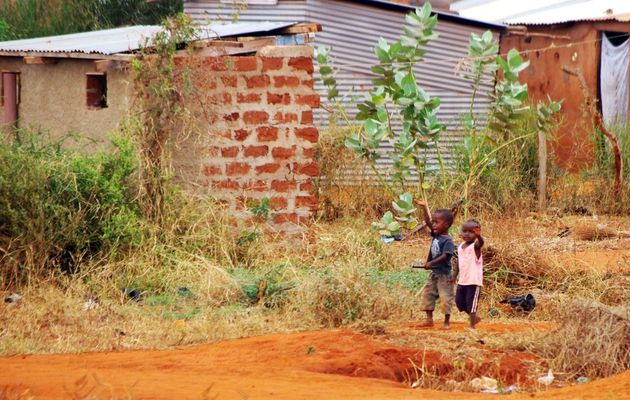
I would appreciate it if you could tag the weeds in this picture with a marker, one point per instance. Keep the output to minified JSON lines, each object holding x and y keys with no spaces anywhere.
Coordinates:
{"x":591,"y":340}
{"x":59,"y":207}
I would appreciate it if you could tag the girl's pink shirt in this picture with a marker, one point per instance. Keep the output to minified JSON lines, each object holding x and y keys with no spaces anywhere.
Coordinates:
{"x":470,"y":267}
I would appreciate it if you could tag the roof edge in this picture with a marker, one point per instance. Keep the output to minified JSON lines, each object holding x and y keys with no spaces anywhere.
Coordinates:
{"x":67,"y":54}
{"x":444,"y":16}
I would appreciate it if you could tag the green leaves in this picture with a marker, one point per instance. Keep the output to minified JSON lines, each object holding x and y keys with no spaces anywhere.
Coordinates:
{"x":510,"y":96}
{"x":419,"y":33}
{"x":366,"y":142}
{"x":390,"y":225}
{"x":482,"y":51}
{"x":397,"y":100}
{"x":546,"y":113}
{"x":322,"y":55}
{"x":387,"y":226}
{"x":405,"y":210}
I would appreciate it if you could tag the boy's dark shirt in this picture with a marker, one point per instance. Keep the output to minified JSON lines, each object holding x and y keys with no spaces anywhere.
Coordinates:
{"x":444,"y":245}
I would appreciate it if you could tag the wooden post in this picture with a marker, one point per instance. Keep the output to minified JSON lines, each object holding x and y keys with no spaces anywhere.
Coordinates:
{"x":542,"y":171}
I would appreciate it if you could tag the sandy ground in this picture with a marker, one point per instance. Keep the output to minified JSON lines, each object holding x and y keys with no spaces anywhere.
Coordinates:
{"x":334,"y":364}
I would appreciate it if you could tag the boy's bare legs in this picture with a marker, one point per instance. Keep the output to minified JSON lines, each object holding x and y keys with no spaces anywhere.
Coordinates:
{"x":428,"y":321}
{"x":474,"y":320}
{"x":447,"y":321}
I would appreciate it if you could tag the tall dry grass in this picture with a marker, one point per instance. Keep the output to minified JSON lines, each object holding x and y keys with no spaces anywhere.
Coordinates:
{"x":337,"y":275}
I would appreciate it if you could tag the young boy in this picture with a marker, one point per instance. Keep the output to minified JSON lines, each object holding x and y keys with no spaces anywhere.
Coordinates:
{"x":439,"y":284}
{"x":470,"y":263}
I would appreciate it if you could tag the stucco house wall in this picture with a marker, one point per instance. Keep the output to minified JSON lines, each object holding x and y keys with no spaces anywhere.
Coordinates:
{"x":52,"y":96}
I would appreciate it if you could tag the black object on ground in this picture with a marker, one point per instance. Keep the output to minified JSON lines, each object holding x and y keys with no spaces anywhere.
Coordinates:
{"x":525,"y":303}
{"x":133,"y":294}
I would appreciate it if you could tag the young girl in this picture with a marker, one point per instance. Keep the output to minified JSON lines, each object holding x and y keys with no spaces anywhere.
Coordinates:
{"x":470,"y":262}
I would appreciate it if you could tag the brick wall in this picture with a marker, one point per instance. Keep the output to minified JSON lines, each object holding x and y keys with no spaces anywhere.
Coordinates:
{"x":260,"y":135}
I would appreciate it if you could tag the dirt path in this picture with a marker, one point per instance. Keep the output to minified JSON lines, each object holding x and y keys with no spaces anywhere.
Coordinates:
{"x":336,"y":364}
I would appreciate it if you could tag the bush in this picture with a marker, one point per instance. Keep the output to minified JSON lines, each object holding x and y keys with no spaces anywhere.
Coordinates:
{"x":58,"y":206}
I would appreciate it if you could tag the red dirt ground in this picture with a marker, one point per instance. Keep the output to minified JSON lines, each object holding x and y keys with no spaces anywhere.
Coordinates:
{"x":335,"y":364}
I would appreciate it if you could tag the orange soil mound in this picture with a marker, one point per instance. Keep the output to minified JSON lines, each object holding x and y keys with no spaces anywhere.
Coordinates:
{"x":313,"y":365}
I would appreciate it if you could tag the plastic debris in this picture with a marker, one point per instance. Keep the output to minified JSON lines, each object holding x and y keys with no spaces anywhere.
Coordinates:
{"x":509,"y":389}
{"x":13,"y":298}
{"x":484,"y":383}
{"x":547,"y":379}
{"x":184,"y":291}
{"x":525,"y":303}
{"x":581,"y":380}
{"x":90,"y":303}
{"x":387,"y":239}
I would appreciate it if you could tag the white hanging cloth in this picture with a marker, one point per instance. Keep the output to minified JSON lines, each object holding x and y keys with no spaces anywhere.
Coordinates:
{"x":613,"y":81}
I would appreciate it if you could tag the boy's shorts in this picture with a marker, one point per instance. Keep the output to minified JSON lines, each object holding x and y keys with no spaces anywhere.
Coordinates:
{"x":437,"y":286}
{"x":467,"y":298}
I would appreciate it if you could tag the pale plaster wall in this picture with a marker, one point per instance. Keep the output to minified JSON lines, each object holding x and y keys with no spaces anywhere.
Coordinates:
{"x":53,"y":97}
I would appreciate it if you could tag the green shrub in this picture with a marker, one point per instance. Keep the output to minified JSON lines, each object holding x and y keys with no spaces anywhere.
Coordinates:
{"x":58,"y":207}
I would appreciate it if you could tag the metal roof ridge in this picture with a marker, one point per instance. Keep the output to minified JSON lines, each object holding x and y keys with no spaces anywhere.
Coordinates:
{"x":440,"y":13}
{"x":131,"y":28}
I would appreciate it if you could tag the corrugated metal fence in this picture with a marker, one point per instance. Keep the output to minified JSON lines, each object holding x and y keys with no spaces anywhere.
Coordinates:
{"x":352,"y":30}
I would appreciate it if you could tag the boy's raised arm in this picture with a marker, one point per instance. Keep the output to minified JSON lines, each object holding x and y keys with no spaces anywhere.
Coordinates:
{"x":479,"y":242}
{"x":425,"y":211}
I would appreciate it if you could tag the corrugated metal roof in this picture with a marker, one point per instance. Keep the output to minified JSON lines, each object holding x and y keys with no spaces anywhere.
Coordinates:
{"x":120,"y":40}
{"x":442,"y":15}
{"x":585,"y":10}
{"x":543,"y":12}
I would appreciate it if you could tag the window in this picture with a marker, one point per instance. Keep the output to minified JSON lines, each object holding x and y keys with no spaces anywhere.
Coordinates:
{"x":10,"y":98}
{"x":96,"y":90}
{"x":617,"y":38}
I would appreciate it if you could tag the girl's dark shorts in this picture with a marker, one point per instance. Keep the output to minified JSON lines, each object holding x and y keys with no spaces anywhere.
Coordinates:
{"x":467,"y":298}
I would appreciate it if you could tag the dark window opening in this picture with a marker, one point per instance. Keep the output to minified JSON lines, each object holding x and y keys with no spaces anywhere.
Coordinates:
{"x":617,"y":38}
{"x":9,"y":98}
{"x":96,"y":90}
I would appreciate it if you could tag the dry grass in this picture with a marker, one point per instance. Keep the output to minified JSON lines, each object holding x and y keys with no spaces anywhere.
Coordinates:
{"x":346,"y":186}
{"x":336,"y":273}
{"x":339,"y":275}
{"x":577,"y":193}
{"x":595,"y":232}
{"x":592,"y":340}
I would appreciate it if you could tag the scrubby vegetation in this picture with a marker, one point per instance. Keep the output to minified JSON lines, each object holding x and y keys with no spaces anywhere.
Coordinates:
{"x":102,"y":262}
